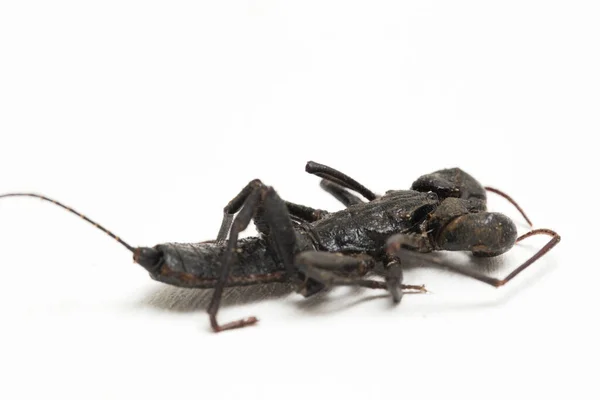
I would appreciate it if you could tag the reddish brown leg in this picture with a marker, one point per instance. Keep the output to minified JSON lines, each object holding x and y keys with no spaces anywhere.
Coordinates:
{"x":553,"y":242}
{"x":395,"y":242}
{"x":510,"y":199}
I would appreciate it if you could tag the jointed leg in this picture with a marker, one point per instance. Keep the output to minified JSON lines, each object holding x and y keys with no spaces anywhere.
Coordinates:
{"x":393,"y":278}
{"x":395,"y":246}
{"x":301,"y":212}
{"x":418,"y":243}
{"x":234,"y":206}
{"x":553,"y":242}
{"x":355,"y":265}
{"x":334,"y":183}
{"x":333,"y":269}
{"x":341,"y":194}
{"x":339,"y":178}
{"x":304,"y":213}
{"x":239,"y":224}
{"x":279,"y":223}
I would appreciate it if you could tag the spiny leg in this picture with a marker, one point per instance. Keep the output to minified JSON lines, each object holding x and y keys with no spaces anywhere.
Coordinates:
{"x":327,"y":268}
{"x":510,"y":199}
{"x":339,"y":178}
{"x":275,"y":214}
{"x":395,"y":246}
{"x":341,"y":194}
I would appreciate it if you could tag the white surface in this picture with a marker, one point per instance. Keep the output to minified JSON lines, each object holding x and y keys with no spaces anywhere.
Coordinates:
{"x":150,"y":116}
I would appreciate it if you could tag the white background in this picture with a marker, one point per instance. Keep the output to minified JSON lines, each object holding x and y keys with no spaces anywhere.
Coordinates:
{"x":150,"y":116}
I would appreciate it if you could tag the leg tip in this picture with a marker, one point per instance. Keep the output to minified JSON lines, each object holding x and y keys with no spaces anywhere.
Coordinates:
{"x":233,"y":325}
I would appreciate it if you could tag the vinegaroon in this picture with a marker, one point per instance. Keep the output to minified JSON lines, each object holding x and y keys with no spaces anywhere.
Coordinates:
{"x":315,"y":249}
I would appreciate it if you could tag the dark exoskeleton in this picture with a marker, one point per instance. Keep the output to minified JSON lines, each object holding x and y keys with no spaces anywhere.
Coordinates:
{"x":315,"y":249}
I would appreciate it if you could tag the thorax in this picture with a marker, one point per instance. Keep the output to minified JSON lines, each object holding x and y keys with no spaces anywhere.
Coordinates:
{"x":365,"y":227}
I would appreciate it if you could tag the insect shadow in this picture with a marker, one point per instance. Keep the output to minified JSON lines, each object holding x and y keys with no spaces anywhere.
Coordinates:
{"x":187,"y":300}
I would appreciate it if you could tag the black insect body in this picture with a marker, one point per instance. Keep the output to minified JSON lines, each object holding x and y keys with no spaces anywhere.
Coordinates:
{"x":315,"y":250}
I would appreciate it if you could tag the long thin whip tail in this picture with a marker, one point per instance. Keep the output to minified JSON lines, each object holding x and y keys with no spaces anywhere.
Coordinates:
{"x":97,"y":225}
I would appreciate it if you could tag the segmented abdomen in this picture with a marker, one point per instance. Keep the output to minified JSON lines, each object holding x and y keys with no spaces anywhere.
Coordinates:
{"x":199,"y":264}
